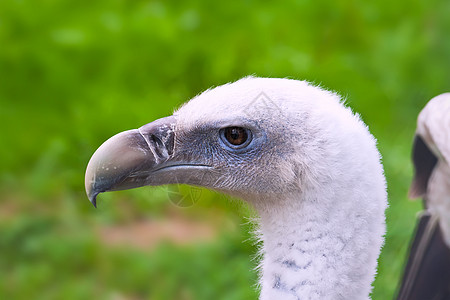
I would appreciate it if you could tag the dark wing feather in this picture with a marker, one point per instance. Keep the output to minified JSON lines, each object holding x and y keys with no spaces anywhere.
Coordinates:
{"x":427,"y":272}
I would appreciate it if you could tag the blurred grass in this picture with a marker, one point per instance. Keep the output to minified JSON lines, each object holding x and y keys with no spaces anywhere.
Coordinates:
{"x":73,"y":73}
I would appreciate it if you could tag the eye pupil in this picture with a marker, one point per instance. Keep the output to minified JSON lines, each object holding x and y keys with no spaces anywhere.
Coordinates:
{"x":236,"y":135}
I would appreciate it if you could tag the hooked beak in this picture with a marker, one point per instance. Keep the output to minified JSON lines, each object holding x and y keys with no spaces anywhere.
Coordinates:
{"x":127,"y":159}
{"x":145,"y":156}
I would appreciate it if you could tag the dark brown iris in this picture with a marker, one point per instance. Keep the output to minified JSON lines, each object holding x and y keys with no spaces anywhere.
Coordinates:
{"x":236,"y":135}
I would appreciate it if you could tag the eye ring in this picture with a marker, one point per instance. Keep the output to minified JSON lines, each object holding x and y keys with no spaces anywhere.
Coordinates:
{"x":236,"y":137}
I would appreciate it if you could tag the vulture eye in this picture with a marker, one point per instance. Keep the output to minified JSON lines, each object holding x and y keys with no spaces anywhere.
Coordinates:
{"x":236,"y":137}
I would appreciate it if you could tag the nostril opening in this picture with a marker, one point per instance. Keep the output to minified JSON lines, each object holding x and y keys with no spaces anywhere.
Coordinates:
{"x":158,"y":145}
{"x":159,"y":137}
{"x":155,"y":140}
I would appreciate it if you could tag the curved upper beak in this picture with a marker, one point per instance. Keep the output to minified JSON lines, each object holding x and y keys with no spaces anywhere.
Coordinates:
{"x":128,"y":159}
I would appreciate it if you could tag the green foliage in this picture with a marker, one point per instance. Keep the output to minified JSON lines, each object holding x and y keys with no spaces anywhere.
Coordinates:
{"x":73,"y":73}
{"x":43,"y":260}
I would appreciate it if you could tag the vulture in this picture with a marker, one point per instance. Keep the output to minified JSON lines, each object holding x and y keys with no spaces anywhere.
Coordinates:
{"x":303,"y":160}
{"x":427,"y":272}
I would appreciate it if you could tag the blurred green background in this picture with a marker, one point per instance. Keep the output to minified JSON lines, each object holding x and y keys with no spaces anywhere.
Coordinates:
{"x":73,"y":73}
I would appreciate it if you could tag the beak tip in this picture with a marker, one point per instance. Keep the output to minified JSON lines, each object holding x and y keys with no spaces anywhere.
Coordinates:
{"x":92,"y":194}
{"x":94,"y":201}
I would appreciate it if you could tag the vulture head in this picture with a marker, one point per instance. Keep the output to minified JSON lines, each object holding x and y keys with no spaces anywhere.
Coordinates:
{"x":304,"y":161}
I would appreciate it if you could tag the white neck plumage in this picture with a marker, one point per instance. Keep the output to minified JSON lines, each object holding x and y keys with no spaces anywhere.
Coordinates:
{"x":317,"y":248}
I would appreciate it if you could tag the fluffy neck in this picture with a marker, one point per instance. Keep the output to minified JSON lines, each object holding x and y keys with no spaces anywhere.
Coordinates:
{"x":319,"y":247}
